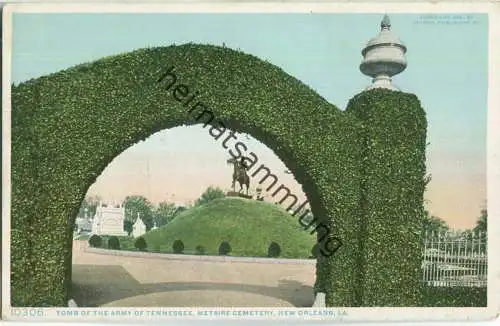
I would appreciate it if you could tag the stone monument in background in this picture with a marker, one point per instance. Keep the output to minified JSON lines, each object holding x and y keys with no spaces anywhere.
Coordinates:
{"x":109,"y":220}
{"x":139,"y":228}
{"x":84,"y":224}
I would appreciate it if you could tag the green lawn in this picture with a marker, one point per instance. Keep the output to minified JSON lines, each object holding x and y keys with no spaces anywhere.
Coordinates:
{"x":249,"y":226}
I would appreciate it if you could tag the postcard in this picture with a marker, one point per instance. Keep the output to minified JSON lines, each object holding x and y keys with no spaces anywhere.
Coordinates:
{"x":260,"y":161}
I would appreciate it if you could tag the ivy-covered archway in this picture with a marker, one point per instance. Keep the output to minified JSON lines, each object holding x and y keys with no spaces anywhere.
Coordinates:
{"x":362,"y":169}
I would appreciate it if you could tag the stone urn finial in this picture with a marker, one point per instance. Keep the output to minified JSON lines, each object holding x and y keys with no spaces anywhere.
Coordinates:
{"x":386,"y":22}
{"x":383,"y":57}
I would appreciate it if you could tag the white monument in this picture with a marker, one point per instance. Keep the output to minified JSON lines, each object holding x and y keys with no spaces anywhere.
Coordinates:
{"x":384,"y":57}
{"x":108,"y":220}
{"x":139,"y":228}
{"x":84,"y":224}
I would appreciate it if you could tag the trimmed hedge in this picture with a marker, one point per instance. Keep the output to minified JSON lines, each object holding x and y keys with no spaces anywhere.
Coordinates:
{"x":200,"y":250}
{"x":454,"y":296}
{"x":224,"y":248}
{"x":95,"y":241}
{"x":393,"y":130}
{"x":68,"y":126}
{"x":178,"y":247}
{"x":114,"y":243}
{"x":141,"y":244}
{"x":274,"y":250}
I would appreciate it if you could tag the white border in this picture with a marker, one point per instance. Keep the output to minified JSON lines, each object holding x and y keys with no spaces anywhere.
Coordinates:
{"x":353,"y":314}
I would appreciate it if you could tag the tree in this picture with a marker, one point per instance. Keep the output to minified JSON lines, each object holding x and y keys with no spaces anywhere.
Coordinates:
{"x":482,"y":222}
{"x":135,"y":205}
{"x":434,"y":224}
{"x":164,"y":213}
{"x":128,"y":226}
{"x":481,"y":229}
{"x":210,"y":194}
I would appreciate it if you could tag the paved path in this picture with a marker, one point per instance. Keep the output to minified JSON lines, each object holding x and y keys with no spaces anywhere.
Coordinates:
{"x":120,"y":281}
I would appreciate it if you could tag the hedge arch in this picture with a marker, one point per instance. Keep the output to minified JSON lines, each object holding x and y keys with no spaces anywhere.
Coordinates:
{"x":362,"y":169}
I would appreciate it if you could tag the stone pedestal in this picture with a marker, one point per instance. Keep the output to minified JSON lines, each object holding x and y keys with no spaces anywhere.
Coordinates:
{"x":238,"y":194}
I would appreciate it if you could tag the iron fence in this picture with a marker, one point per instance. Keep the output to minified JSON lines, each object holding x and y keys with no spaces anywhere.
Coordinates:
{"x":455,"y":259}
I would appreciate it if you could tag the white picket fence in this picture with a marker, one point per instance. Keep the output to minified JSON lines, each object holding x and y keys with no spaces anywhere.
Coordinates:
{"x":455,"y":259}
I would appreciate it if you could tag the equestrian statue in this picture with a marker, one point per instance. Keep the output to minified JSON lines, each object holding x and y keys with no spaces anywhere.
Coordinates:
{"x":239,"y":173}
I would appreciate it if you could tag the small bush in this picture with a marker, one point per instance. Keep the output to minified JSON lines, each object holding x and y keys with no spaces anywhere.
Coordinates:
{"x":224,"y":248}
{"x":178,"y":247}
{"x":157,"y":248}
{"x":95,"y":241}
{"x":114,"y":243}
{"x":274,"y":250}
{"x":200,"y":250}
{"x":140,"y":244}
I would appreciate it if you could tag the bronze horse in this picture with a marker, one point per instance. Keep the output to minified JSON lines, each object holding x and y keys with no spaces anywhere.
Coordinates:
{"x":239,"y":173}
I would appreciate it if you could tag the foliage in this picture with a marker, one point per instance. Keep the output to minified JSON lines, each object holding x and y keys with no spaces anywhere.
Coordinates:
{"x":179,"y":210}
{"x":141,"y":244}
{"x":95,"y":241}
{"x":224,"y":248}
{"x":114,"y":243}
{"x":164,"y":213}
{"x":454,"y":296}
{"x":434,"y":225}
{"x":210,"y":194}
{"x":482,"y":223}
{"x":178,"y":247}
{"x":274,"y":250}
{"x":200,"y":250}
{"x":393,"y":129}
{"x":139,"y":206}
{"x":249,"y":226}
{"x":128,"y":226}
{"x":362,"y":168}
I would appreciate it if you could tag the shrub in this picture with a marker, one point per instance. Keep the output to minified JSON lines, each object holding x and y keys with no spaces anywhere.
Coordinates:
{"x":274,"y":250}
{"x":224,"y":248}
{"x":114,"y":243}
{"x":156,"y":248}
{"x":178,"y":247}
{"x":140,"y":244}
{"x":95,"y":241}
{"x":200,"y":250}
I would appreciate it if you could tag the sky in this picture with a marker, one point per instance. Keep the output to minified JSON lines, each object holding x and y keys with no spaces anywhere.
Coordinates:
{"x":447,"y":70}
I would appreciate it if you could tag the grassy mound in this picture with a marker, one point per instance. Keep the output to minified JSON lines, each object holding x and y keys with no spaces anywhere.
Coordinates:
{"x":249,"y":227}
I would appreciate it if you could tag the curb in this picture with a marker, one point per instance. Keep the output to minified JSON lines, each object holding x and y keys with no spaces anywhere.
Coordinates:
{"x":319,"y":301}
{"x":199,"y":257}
